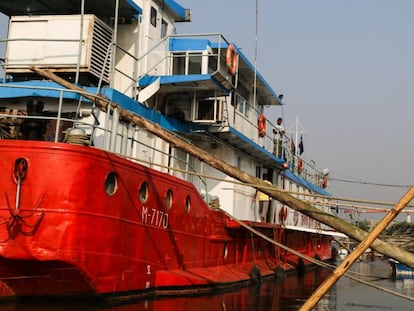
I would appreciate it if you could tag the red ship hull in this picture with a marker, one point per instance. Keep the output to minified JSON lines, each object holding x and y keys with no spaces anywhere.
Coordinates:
{"x":61,"y":233}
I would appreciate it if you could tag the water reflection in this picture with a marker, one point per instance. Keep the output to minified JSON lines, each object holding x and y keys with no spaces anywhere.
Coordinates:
{"x":405,"y":285}
{"x":283,"y":294}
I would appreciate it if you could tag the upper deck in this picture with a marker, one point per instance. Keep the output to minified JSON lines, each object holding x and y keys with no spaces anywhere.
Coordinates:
{"x":184,"y":78}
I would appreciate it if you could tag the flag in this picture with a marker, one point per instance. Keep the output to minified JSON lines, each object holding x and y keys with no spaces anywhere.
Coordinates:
{"x":292,"y":146}
{"x":301,"y":145}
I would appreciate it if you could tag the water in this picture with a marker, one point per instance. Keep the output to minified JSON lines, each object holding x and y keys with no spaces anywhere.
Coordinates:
{"x":286,"y":294}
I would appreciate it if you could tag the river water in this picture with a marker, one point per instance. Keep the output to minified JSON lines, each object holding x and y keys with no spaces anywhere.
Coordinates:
{"x":284,"y":294}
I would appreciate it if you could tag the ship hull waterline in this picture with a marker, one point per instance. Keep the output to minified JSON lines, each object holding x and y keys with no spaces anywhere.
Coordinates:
{"x":77,"y":225}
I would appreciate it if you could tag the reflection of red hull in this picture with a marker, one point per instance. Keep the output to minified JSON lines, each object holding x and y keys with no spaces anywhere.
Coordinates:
{"x":276,"y":295}
{"x":62,"y":234}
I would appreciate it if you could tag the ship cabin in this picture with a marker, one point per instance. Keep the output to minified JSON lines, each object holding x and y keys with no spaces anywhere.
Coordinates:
{"x":201,"y":87}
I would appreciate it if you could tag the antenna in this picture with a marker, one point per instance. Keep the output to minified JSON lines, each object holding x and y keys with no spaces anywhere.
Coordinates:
{"x":299,"y":129}
{"x":255,"y":54}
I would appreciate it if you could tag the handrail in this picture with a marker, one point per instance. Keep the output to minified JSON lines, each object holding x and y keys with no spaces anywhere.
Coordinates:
{"x":90,"y":126}
{"x":307,"y":171}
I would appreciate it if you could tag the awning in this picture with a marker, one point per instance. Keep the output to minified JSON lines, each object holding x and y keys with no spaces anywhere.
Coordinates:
{"x":199,"y":82}
{"x":101,"y":8}
{"x":243,"y":143}
{"x":305,"y":183}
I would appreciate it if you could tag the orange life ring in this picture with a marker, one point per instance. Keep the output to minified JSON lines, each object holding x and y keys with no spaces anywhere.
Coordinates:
{"x":325,"y":182}
{"x":295,"y":217}
{"x":261,"y":125}
{"x":300,"y":166}
{"x":231,"y":59}
{"x":282,"y":215}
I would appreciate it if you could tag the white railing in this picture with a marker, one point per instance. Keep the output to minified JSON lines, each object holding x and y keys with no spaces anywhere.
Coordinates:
{"x":86,"y":119}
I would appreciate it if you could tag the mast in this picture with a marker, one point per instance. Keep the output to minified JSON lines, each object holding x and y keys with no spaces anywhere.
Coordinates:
{"x":296,"y":135}
{"x":255,"y":54}
{"x":299,"y":129}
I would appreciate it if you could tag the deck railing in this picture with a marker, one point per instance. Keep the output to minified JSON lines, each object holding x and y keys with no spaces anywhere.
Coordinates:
{"x":85,"y":119}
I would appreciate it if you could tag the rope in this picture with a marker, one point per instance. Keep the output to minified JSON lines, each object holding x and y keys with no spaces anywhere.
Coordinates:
{"x":269,"y":187}
{"x":77,"y":139}
{"x":315,"y":261}
{"x":348,"y":274}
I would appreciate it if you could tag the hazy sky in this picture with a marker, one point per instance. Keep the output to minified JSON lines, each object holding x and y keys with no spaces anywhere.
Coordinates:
{"x":346,"y":70}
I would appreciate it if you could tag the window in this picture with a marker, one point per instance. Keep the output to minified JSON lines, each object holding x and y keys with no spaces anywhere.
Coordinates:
{"x":212,"y":64}
{"x":111,"y":183}
{"x":153,"y":17}
{"x":187,"y":204}
{"x":205,"y":109}
{"x":239,"y":164}
{"x":143,"y":192}
{"x":208,"y":110}
{"x":168,"y":199}
{"x":194,"y":63}
{"x":187,"y":63}
{"x":179,"y":63}
{"x":164,"y":28}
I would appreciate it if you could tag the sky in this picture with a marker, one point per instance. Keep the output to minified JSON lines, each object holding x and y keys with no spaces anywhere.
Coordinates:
{"x":346,"y":71}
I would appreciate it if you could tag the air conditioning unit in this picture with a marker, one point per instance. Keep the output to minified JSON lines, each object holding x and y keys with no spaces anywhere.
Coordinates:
{"x":52,"y":41}
{"x":208,"y":110}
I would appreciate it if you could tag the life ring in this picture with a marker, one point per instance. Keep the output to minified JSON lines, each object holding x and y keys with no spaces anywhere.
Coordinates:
{"x":282,"y":215}
{"x":231,"y":59}
{"x":261,"y":125}
{"x":325,"y":182}
{"x":300,"y":166}
{"x":295,"y":217}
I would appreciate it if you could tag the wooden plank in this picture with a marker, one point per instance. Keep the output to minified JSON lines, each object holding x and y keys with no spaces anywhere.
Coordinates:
{"x":359,"y":250}
{"x":338,"y":224}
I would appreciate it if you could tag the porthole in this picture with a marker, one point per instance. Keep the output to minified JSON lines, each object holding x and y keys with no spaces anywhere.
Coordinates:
{"x":143,"y":192}
{"x":168,"y":199}
{"x":111,"y":183}
{"x":187,"y":205}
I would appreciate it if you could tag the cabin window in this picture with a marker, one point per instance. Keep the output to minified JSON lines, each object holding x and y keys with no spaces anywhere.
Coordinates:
{"x":243,"y":106}
{"x":187,"y":205}
{"x":258,"y":171}
{"x":164,"y":28}
{"x":212,"y":64}
{"x":168,"y":199}
{"x":179,"y":63}
{"x":153,"y":17}
{"x":242,"y":100}
{"x":187,"y":63}
{"x":194,"y":63}
{"x":143,"y":192}
{"x":111,"y":183}
{"x":246,"y":109}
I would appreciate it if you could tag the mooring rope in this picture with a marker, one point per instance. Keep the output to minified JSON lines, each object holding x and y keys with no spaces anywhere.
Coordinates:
{"x":282,"y":246}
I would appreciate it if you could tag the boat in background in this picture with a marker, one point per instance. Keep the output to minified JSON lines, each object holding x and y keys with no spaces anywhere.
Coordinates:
{"x":95,"y":205}
{"x":400,"y":270}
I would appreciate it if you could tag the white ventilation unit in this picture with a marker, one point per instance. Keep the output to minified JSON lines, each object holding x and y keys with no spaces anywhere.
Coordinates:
{"x":52,"y":41}
{"x":208,"y":110}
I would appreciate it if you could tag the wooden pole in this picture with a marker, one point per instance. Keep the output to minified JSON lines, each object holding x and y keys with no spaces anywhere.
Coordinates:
{"x":296,"y":204}
{"x":350,"y":260}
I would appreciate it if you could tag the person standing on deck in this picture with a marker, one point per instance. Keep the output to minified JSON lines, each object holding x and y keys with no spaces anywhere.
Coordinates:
{"x":279,"y":132}
{"x":264,"y":201}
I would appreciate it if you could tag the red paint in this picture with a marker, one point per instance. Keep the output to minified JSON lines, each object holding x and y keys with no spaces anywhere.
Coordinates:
{"x":69,"y":237}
